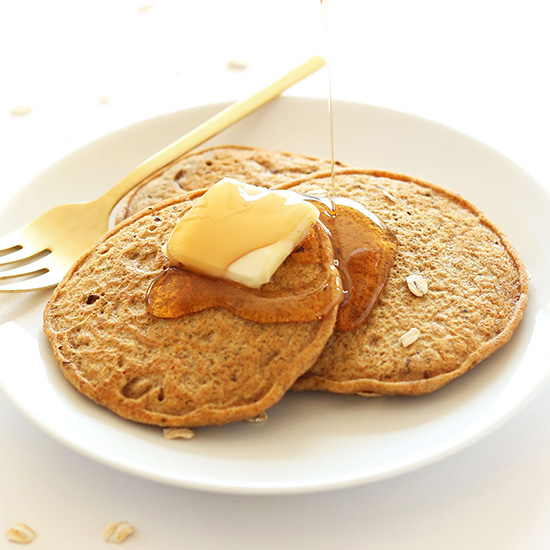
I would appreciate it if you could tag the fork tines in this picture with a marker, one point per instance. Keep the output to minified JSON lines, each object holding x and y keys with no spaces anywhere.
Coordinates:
{"x":21,"y":264}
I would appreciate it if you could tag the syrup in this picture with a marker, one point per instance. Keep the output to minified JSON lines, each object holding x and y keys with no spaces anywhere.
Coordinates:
{"x":326,"y":34}
{"x":363,"y":249}
{"x":324,"y":9}
{"x":177,"y":292}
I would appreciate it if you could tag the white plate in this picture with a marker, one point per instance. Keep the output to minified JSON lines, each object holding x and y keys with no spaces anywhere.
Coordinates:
{"x":311,"y":441}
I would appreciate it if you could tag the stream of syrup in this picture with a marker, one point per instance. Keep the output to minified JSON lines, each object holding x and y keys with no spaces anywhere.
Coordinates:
{"x":326,"y":34}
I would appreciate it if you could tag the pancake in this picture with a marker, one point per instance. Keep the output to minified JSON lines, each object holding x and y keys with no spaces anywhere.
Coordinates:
{"x":477,"y":291}
{"x":209,"y":367}
{"x":202,"y":169}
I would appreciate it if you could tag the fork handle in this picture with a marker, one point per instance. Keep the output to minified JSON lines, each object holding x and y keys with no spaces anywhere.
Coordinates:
{"x":208,"y":129}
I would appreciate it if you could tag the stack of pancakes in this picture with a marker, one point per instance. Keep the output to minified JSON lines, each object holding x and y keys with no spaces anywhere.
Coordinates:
{"x":213,"y":367}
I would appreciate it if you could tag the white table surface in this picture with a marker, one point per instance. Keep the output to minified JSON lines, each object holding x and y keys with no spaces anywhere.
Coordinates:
{"x":86,"y":69}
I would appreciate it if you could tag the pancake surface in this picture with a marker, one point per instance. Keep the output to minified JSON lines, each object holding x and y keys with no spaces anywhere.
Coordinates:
{"x":213,"y":367}
{"x":477,"y":291}
{"x":209,"y":367}
{"x":202,"y":169}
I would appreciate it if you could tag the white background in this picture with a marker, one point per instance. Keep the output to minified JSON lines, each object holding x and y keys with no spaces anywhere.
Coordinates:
{"x":86,"y":69}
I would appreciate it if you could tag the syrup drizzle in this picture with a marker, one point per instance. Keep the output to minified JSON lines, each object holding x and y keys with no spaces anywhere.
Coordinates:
{"x":324,"y":10}
{"x":177,"y":292}
{"x":364,"y":251}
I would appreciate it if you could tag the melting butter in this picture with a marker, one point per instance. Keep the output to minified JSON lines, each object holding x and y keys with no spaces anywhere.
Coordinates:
{"x":240,"y":232}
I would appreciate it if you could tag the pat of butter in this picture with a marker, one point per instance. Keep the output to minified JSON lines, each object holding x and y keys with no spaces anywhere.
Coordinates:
{"x":240,"y":232}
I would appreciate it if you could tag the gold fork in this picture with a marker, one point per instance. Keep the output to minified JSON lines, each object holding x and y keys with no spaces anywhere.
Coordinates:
{"x":40,"y":252}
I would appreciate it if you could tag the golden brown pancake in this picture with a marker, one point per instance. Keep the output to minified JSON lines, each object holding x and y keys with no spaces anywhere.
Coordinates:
{"x":477,"y":291}
{"x":209,"y":367}
{"x":213,"y":367}
{"x":202,"y":169}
